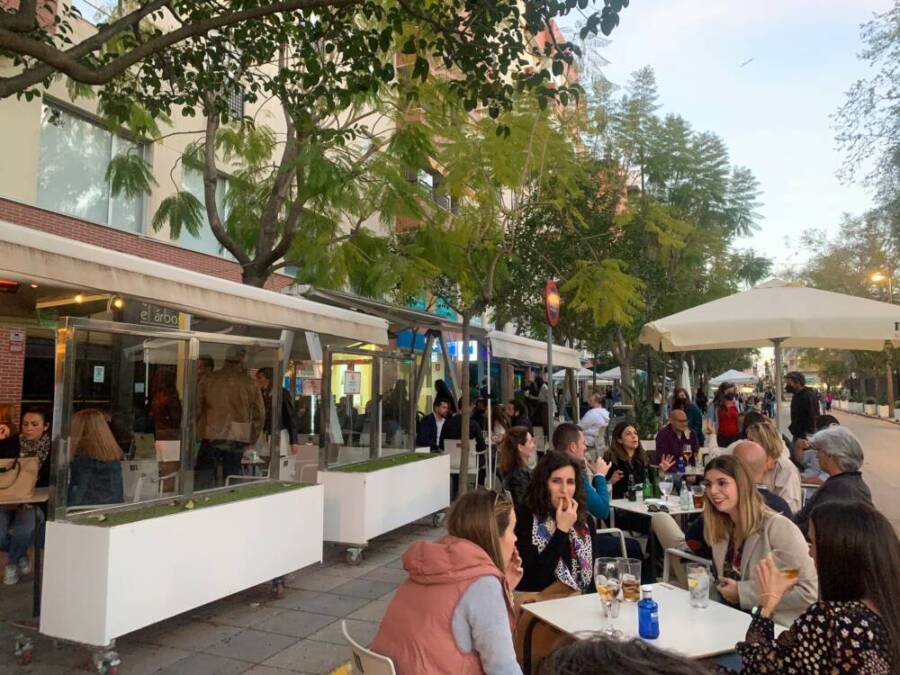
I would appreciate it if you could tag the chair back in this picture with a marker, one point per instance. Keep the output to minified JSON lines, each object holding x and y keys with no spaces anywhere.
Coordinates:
{"x":140,"y":480}
{"x":454,"y":449}
{"x":365,"y":661}
{"x":540,"y":441}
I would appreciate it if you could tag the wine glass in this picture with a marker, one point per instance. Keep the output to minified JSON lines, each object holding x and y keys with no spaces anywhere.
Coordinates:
{"x":665,"y":486}
{"x":607,"y":581}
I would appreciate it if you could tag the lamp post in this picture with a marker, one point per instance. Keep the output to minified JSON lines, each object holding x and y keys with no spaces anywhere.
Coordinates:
{"x":878,"y":278}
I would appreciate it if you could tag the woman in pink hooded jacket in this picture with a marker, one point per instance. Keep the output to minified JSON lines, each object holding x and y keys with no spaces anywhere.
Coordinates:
{"x":454,"y":614}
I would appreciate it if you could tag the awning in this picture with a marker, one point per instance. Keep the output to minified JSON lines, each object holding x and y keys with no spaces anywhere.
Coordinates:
{"x":49,"y":259}
{"x":509,"y":346}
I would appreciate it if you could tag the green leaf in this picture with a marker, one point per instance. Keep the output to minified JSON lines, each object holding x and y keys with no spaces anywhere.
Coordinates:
{"x":129,"y":174}
{"x":182,"y":211}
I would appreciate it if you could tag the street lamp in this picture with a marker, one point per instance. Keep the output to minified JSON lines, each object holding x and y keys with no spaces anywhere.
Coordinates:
{"x":881,"y":277}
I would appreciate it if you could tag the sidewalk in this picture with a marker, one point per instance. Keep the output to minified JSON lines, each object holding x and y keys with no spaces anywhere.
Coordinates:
{"x":248,"y":632}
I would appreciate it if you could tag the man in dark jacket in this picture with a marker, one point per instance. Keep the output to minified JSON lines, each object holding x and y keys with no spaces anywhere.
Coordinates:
{"x":804,"y":406}
{"x":841,"y":456}
{"x":428,"y":432}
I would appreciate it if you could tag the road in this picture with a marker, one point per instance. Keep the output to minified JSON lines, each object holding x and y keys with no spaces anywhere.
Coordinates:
{"x":881,"y":469}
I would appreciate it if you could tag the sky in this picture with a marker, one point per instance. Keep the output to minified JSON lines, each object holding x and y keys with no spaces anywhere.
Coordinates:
{"x":774,"y":113}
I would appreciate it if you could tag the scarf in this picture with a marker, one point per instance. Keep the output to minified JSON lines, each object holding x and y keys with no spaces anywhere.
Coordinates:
{"x":39,"y":448}
{"x":578,"y":575}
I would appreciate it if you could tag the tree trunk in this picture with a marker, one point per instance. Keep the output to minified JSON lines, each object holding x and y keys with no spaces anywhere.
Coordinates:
{"x":623,"y":356}
{"x":252,"y":276}
{"x":465,"y":412}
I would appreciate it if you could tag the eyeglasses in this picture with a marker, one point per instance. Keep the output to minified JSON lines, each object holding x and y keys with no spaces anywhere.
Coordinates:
{"x":657,"y":508}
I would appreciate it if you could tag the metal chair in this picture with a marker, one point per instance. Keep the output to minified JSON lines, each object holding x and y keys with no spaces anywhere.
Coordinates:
{"x":365,"y":661}
{"x":684,"y":556}
{"x":453,"y":448}
{"x":616,"y":531}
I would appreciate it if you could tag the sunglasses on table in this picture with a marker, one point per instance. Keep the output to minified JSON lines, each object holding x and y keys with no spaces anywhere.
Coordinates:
{"x":657,"y":508}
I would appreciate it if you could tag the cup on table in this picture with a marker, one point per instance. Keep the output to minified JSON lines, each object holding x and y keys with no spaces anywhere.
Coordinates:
{"x":697,"y":496}
{"x":791,"y":573}
{"x":630,"y":575}
{"x":698,"y":584}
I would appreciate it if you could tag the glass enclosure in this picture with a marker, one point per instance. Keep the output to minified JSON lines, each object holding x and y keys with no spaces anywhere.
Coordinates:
{"x":368,"y":410}
{"x":144,"y":413}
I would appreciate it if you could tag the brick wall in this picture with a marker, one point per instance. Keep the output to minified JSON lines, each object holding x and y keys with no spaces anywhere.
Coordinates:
{"x":127,"y":242}
{"x":12,"y":369}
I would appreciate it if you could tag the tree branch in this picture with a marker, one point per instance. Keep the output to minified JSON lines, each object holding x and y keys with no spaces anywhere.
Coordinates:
{"x":23,"y":20}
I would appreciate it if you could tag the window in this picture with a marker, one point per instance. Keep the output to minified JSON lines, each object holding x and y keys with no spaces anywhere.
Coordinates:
{"x":192,"y":181}
{"x":432,"y":181}
{"x":74,"y":156}
{"x":235,"y":102}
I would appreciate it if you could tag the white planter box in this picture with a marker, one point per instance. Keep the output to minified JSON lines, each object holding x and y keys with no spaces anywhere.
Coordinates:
{"x":103,"y":582}
{"x":364,"y":505}
{"x":842,"y":405}
{"x":897,"y":414}
{"x":884,"y":411}
{"x":870,"y":409}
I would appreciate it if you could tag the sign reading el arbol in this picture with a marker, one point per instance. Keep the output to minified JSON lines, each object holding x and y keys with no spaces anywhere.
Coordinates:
{"x":149,"y":314}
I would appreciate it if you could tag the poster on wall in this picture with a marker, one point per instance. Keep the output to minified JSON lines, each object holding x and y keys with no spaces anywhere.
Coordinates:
{"x":352,"y":382}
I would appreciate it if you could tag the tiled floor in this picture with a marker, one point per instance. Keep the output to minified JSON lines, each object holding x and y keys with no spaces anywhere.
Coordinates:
{"x":246,"y":633}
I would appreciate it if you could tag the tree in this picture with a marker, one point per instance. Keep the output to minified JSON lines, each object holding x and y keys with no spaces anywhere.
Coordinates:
{"x":868,"y":123}
{"x":461,"y":255}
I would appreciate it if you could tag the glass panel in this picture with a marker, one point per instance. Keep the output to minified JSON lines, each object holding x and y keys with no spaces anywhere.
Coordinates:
{"x":74,"y":156}
{"x":127,"y":410}
{"x":206,"y":242}
{"x":396,"y":376}
{"x":234,"y":414}
{"x":351,"y":424}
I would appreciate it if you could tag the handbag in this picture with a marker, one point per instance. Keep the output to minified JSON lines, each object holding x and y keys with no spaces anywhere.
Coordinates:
{"x":544,"y":638}
{"x":18,"y":477}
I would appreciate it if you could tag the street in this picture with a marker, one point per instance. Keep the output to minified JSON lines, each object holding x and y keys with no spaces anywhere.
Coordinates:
{"x":881,"y":470}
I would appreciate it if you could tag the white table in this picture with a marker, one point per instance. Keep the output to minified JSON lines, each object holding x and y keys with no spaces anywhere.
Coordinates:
{"x":640,"y":508}
{"x":690,"y":631}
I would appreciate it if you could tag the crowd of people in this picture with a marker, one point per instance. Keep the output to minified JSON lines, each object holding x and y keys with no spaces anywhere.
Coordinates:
{"x":823,"y":565}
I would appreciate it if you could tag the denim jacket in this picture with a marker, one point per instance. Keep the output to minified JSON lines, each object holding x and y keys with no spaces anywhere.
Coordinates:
{"x":94,"y":482}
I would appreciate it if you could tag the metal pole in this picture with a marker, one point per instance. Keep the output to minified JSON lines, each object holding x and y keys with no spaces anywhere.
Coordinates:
{"x":490,"y":426}
{"x":778,"y":381}
{"x":551,"y":407}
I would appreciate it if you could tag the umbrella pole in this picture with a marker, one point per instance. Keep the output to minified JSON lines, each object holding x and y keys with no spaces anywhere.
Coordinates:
{"x":778,"y":381}
{"x":490,"y":428}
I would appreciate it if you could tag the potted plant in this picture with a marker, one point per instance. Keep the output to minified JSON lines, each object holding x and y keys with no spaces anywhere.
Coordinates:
{"x":885,"y":411}
{"x":870,"y":406}
{"x":108,"y":574}
{"x":367,"y":499}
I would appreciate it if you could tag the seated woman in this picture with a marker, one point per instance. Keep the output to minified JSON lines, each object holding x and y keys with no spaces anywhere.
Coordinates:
{"x":518,"y":416}
{"x":516,"y":452}
{"x":454,"y":613}
{"x":741,"y":530}
{"x":95,"y":469}
{"x":782,"y":477}
{"x":627,"y":459}
{"x":855,"y":625}
{"x":18,"y":523}
{"x":553,"y":528}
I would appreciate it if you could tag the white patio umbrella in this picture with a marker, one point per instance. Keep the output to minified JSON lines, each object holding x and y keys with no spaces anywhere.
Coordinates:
{"x":684,"y":381}
{"x":733,"y":376}
{"x":615,"y":374}
{"x":779,"y":314}
{"x":581,"y":374}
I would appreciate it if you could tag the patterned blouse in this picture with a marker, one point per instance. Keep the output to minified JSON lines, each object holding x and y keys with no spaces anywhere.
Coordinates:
{"x":829,"y":637}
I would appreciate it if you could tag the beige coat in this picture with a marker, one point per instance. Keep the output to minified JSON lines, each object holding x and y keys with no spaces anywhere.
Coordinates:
{"x":784,"y":481}
{"x":783,"y":539}
{"x":229,"y":406}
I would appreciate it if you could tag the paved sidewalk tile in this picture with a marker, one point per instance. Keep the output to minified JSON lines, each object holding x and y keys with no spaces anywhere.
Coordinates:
{"x":293,"y":598}
{"x":268,"y":670}
{"x":246,"y":617}
{"x":374,"y":611}
{"x":387,"y":574}
{"x":316,"y":581}
{"x":295,"y":623}
{"x":310,"y":656}
{"x":361,"y":631}
{"x":332,"y":604}
{"x":196,"y":636}
{"x":251,"y":645}
{"x":204,"y":664}
{"x":366,"y":588}
{"x":139,"y":658}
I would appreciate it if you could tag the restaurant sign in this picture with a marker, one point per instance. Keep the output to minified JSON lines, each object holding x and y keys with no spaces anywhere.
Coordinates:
{"x":149,"y":314}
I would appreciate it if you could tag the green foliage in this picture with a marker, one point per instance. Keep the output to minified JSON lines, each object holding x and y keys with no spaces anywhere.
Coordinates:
{"x":129,"y":174}
{"x":181,"y":212}
{"x":646,"y":418}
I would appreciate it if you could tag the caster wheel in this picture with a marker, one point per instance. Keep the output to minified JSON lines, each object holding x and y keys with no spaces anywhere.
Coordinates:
{"x":439,"y":518}
{"x":354,"y":556}
{"x":278,"y":590}
{"x":24,"y":650}
{"x":107,"y":663}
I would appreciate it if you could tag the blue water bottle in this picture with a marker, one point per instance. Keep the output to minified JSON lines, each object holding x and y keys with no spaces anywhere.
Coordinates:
{"x":682,"y":466}
{"x":648,"y":615}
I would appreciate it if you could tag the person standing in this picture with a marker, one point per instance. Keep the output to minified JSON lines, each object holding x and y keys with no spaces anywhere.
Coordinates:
{"x":231,"y":409}
{"x":804,"y":407}
{"x":701,"y":399}
{"x":724,"y":414}
{"x":264,"y":380}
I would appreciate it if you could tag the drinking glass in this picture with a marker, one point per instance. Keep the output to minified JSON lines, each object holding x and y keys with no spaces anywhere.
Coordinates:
{"x":697,"y":494}
{"x":630,"y":575}
{"x":698,"y":584}
{"x":688,"y":452}
{"x":607,"y":582}
{"x":665,"y":486}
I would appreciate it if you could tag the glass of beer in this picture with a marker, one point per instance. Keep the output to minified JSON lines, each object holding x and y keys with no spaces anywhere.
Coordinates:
{"x":630,"y":575}
{"x":697,"y":496}
{"x":790,"y":573}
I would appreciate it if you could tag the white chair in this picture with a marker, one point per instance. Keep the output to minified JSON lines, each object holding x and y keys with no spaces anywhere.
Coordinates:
{"x":649,"y":446}
{"x":540,"y":441}
{"x":616,"y":531}
{"x":453,"y":448}
{"x":807,"y":490}
{"x":365,"y":661}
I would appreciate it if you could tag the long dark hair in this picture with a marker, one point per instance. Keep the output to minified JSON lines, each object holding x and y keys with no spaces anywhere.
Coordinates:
{"x":537,"y":495}
{"x":719,"y":398}
{"x":677,"y":403}
{"x":856,"y":549}
{"x":617,"y":450}
{"x":601,"y":654}
{"x":509,"y":449}
{"x":751,"y":417}
{"x":499,"y":416}
{"x":519,"y":408}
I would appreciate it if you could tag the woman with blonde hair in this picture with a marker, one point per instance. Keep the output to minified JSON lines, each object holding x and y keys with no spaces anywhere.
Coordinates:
{"x":741,"y":530}
{"x":454,"y":614}
{"x":782,"y":477}
{"x":95,"y":469}
{"x":516,"y":452}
